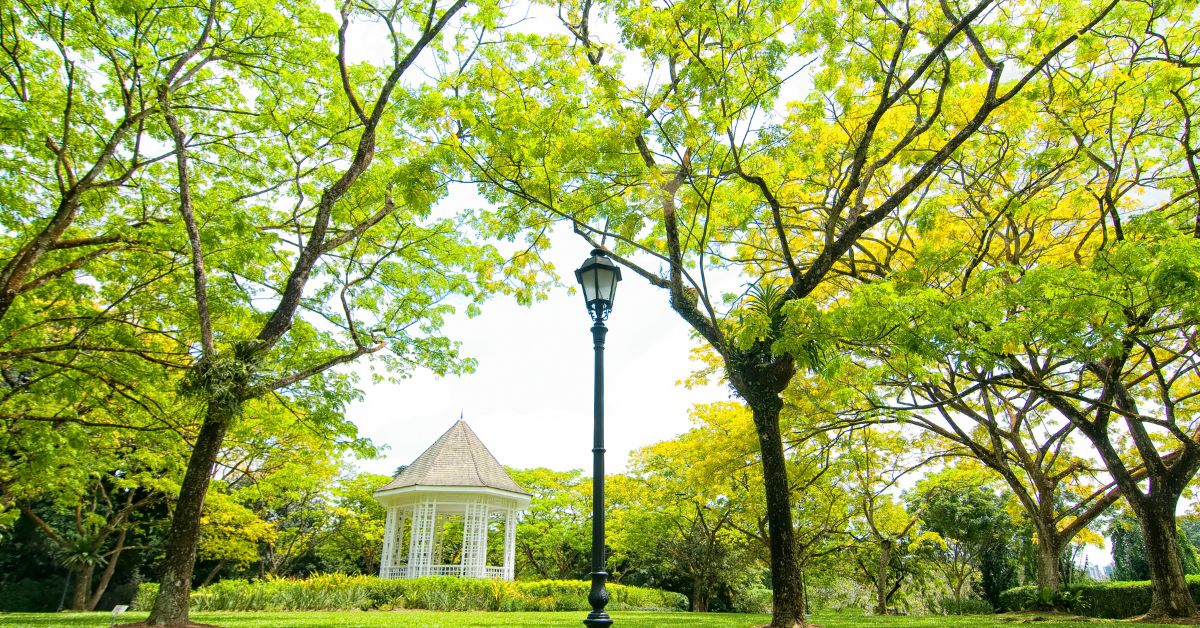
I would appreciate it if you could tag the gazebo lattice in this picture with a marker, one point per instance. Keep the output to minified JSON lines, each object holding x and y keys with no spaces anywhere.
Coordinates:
{"x":455,"y":482}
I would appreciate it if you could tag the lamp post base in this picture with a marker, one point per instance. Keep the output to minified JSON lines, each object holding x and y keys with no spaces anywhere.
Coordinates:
{"x":598,"y":598}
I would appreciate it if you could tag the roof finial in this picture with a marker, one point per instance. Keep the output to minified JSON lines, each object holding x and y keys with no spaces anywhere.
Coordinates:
{"x":460,"y":414}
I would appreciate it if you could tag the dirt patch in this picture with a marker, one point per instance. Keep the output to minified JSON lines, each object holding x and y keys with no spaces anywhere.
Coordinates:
{"x":1030,"y":617}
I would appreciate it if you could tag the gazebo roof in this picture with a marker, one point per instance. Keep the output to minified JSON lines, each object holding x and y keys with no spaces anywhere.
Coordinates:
{"x":457,"y":458}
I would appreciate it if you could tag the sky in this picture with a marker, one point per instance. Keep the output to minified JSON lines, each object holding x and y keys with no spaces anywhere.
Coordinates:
{"x":530,"y":399}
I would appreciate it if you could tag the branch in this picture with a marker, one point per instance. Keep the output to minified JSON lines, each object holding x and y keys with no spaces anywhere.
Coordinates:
{"x":319,"y":368}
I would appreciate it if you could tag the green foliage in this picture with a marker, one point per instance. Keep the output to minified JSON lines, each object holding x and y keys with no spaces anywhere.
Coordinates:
{"x":554,"y":538}
{"x":1112,"y":600}
{"x":1129,"y":551}
{"x":964,"y":509}
{"x":967,"y":606}
{"x":753,"y":600}
{"x":626,"y":619}
{"x":444,"y":593}
{"x":411,"y":619}
{"x":27,"y":595}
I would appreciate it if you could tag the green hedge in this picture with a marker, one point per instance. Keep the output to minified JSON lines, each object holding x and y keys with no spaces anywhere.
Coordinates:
{"x":1109,"y":600}
{"x":341,"y":592}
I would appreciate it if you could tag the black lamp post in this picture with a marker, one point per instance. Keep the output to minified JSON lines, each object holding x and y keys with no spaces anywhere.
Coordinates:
{"x":599,"y":277}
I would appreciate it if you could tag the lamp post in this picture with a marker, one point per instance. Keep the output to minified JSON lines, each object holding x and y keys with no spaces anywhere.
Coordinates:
{"x":598,"y":276}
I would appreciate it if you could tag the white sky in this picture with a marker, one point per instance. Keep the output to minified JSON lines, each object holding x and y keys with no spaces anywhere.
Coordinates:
{"x":530,"y":399}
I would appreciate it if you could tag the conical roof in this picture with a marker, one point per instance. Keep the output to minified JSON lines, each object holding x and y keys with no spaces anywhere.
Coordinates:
{"x":457,"y":458}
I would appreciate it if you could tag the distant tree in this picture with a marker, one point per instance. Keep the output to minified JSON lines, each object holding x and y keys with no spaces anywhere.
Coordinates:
{"x":554,"y":538}
{"x":1129,"y":549}
{"x":358,"y":522}
{"x":681,"y":508}
{"x":891,"y":546}
{"x":962,"y":507}
{"x":231,"y":534}
{"x":88,"y":500}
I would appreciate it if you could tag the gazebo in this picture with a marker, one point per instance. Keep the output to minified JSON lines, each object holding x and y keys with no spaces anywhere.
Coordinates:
{"x":455,"y":484}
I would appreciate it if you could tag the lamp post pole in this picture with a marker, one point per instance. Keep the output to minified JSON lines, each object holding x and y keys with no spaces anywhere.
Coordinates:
{"x":598,"y":276}
{"x":598,"y":596}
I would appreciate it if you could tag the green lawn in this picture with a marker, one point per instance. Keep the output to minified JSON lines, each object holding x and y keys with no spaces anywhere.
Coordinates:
{"x":433,"y":619}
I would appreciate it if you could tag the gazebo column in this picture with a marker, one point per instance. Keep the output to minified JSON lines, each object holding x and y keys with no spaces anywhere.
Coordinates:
{"x":475,"y":531}
{"x":397,"y":557}
{"x":389,"y":536}
{"x":439,"y":535}
{"x":420,"y":546}
{"x":510,"y":542}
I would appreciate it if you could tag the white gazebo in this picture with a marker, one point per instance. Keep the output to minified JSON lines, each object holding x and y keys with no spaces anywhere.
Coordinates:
{"x":456,"y":483}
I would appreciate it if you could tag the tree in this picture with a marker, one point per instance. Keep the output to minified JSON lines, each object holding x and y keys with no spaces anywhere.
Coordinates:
{"x":249,"y":278}
{"x":709,"y":167}
{"x":681,"y":507}
{"x":84,"y":488}
{"x":890,"y":538}
{"x":554,"y":538}
{"x":1054,"y":285}
{"x":358,"y":521}
{"x":231,"y":534}
{"x":1013,"y":432}
{"x":93,"y":536}
{"x":964,"y":510}
{"x":1129,"y":549}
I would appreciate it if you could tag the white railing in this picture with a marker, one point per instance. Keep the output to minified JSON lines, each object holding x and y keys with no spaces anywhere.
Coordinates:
{"x":414,"y":571}
{"x":444,"y":570}
{"x":493,"y":572}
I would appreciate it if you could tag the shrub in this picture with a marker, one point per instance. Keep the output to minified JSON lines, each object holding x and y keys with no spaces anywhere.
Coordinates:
{"x":968,"y":606}
{"x":31,"y":596}
{"x":1109,"y":600}
{"x":753,"y":600}
{"x":441,"y":593}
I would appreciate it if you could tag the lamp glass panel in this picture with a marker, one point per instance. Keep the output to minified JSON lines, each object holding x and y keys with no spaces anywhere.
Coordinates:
{"x":587,"y":279}
{"x":606,"y":284}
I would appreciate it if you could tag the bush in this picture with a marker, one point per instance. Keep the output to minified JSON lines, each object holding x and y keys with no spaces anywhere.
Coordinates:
{"x":1108,"y":600}
{"x":753,"y":600}
{"x":31,"y":596}
{"x":442,"y":593}
{"x":1019,"y":599}
{"x":143,"y":599}
{"x":968,"y":606}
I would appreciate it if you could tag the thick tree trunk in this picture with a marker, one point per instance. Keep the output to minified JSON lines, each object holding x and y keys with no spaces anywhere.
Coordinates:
{"x":1049,"y":550}
{"x":1169,"y":589}
{"x":699,"y":595}
{"x":171,"y":606}
{"x":83,"y":588}
{"x":787,"y":595}
{"x":881,"y":579}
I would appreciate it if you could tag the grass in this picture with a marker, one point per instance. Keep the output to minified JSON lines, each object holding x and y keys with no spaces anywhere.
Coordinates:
{"x":437,"y":619}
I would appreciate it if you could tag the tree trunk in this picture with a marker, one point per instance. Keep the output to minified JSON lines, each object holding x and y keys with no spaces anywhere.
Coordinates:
{"x":881,"y":579}
{"x":699,"y":595}
{"x":1049,"y":549}
{"x":212,"y":573}
{"x":1169,"y":589}
{"x":171,"y":606}
{"x":109,"y":569}
{"x":83,"y":587}
{"x":787,"y":594}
